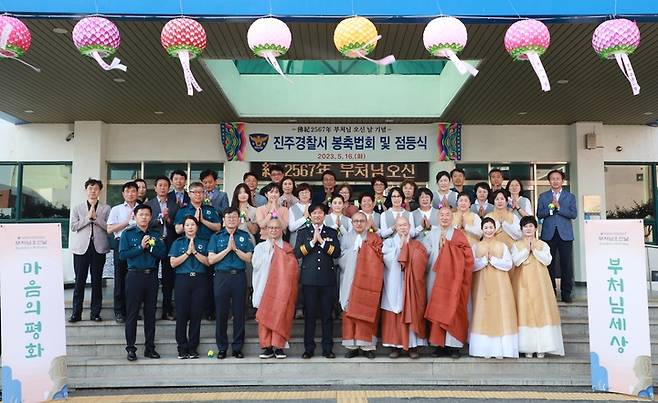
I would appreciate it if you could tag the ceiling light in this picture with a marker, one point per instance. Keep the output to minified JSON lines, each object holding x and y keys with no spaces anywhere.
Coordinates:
{"x":562,"y":81}
{"x":648,"y":113}
{"x":29,"y":111}
{"x":119,"y":80}
{"x":159,"y":113}
{"x":522,"y":113}
{"x":292,"y":120}
{"x":60,"y":30}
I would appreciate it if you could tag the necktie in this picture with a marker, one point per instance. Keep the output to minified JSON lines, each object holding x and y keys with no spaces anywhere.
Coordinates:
{"x":179,"y":197}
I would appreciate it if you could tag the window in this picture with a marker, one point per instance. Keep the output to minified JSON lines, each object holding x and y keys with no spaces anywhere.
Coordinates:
{"x":36,"y":192}
{"x":120,"y":173}
{"x":629,"y":193}
{"x":533,"y":177}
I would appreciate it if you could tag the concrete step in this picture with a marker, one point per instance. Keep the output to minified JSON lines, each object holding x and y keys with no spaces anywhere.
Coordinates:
{"x":167,"y":347}
{"x":165,"y":328}
{"x":94,"y":372}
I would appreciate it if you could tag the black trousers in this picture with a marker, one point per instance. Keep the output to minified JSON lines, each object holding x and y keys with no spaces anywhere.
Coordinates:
{"x":565,"y":250}
{"x":93,"y":262}
{"x":190,"y":293}
{"x":209,"y":298}
{"x":315,"y":297}
{"x":230,"y":290}
{"x":168,"y":280}
{"x":120,"y":270}
{"x":141,"y":288}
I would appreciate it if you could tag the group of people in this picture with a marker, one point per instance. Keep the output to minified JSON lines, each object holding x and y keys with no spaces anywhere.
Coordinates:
{"x":406,"y":265}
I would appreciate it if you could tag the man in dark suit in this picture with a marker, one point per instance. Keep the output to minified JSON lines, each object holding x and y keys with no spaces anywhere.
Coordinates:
{"x":557,"y":207}
{"x":178,"y":193}
{"x":164,"y":213}
{"x":328,"y":190}
{"x":317,"y":245}
{"x":216,"y":197}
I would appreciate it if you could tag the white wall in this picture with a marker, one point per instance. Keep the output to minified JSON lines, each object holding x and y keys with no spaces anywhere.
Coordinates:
{"x":639,"y":143}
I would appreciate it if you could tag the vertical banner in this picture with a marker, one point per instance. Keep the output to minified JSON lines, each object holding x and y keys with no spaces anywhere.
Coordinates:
{"x":620,"y":346}
{"x":33,"y":334}
{"x":449,"y":141}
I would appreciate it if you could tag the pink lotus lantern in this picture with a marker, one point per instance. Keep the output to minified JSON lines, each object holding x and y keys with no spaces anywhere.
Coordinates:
{"x":15,"y":39}
{"x":445,"y":37}
{"x":617,"y":39}
{"x":527,"y":40}
{"x":269,"y":38}
{"x":185,"y":39}
{"x":98,"y":38}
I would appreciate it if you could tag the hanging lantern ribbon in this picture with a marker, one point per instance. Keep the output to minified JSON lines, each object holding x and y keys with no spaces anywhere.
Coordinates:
{"x":98,"y":37}
{"x":618,"y":38}
{"x":445,"y":37}
{"x":527,"y":40}
{"x":190,"y":81}
{"x":270,"y":38}
{"x":538,"y":67}
{"x":15,"y":46}
{"x":115,"y":65}
{"x":357,"y":37}
{"x":184,"y":39}
{"x":624,"y":64}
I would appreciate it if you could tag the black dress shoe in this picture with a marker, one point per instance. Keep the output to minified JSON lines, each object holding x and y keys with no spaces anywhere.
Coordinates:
{"x":238,"y":354}
{"x":74,"y":318}
{"x":151,"y":354}
{"x":455,"y":353}
{"x":168,"y":316}
{"x":96,"y":318}
{"x":119,"y":318}
{"x":370,"y":354}
{"x":221,"y":355}
{"x":440,"y":352}
{"x":132,"y":356}
{"x":352,"y":353}
{"x":307,"y":355}
{"x":329,"y":354}
{"x":210,"y":317}
{"x":567,"y":299}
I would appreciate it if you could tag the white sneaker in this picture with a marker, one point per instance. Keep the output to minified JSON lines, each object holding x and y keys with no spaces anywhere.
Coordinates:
{"x":529,"y":355}
{"x":540,"y":355}
{"x":279,"y":354}
{"x":267,"y":353}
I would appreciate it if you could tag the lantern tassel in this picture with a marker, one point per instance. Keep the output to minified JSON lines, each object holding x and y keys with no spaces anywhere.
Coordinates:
{"x":462,"y":66}
{"x":271,"y":59}
{"x":625,"y":65}
{"x":533,"y":57}
{"x":190,"y":81}
{"x":382,"y":62}
{"x":116,"y":63}
{"x":4,"y":37}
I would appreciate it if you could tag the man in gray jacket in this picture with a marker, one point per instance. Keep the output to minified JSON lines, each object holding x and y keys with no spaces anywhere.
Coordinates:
{"x":89,"y":245}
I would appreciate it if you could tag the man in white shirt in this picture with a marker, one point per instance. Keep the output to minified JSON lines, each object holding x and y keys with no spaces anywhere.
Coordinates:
{"x":121,"y":216}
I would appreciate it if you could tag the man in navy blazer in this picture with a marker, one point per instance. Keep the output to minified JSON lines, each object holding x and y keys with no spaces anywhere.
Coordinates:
{"x":317,"y":246}
{"x":178,"y":193}
{"x":217,"y":198}
{"x":557,"y":207}
{"x":164,"y":210}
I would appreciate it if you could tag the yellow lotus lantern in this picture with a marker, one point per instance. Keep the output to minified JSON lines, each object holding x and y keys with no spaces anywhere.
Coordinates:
{"x":356,"y":37}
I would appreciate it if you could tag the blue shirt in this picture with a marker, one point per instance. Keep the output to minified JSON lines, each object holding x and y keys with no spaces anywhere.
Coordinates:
{"x":191,"y":264}
{"x":130,"y":249}
{"x":231,"y":261}
{"x":209,"y":214}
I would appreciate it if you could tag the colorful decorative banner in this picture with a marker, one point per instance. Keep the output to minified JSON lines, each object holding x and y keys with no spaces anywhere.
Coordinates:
{"x":337,"y":143}
{"x":33,"y":335}
{"x":450,"y":141}
{"x":233,"y":139}
{"x":620,"y":347}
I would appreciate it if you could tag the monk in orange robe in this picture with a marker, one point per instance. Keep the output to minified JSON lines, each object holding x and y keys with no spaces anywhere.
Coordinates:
{"x":403,"y":297}
{"x":275,"y":280}
{"x":361,"y":281}
{"x":449,"y":291}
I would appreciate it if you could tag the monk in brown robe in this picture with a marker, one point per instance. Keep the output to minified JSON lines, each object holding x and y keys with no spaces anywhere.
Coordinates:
{"x":361,"y":281}
{"x":275,"y":280}
{"x":403,"y":297}
{"x":452,"y":268}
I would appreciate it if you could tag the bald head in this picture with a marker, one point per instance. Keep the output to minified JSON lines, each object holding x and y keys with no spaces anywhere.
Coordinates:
{"x":445,"y":217}
{"x":359,"y":222}
{"x":402,"y":226}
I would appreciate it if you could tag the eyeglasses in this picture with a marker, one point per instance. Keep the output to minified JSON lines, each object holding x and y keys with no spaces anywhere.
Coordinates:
{"x":195,"y":191}
{"x":272,"y":228}
{"x":355,"y":221}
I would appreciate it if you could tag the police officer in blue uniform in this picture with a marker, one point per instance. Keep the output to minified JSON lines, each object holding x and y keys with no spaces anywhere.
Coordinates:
{"x":228,"y":252}
{"x":142,"y":248}
{"x":209,"y":224}
{"x":317,"y":245}
{"x":189,"y":257}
